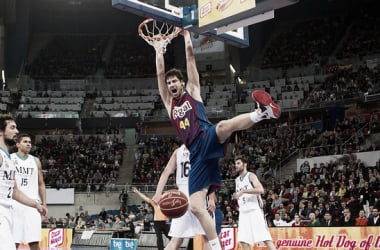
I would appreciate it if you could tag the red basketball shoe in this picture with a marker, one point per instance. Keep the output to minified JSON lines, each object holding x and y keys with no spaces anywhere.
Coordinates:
{"x":269,"y":109}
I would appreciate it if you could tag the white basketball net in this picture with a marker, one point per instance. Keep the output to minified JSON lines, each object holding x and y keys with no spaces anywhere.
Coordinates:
{"x":156,"y":34}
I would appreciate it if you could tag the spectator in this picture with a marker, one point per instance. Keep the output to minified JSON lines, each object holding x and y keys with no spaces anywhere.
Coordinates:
{"x":131,"y":232}
{"x":314,"y":222}
{"x":277,"y":200}
{"x":329,"y":209}
{"x":318,"y":214}
{"x":118,"y":224}
{"x":109,"y":223}
{"x":86,"y":217}
{"x":81,"y":224}
{"x":302,"y":212}
{"x":305,"y":167}
{"x":328,"y":220}
{"x":291,"y":210}
{"x":123,"y":198}
{"x":354,"y":206}
{"x":101,"y":224}
{"x":140,"y":215}
{"x":231,"y":222}
{"x":278,"y":222}
{"x":347,"y":220}
{"x":149,"y":216}
{"x":103,"y":214}
{"x":368,"y":194}
{"x":374,"y":220}
{"x":297,"y":221}
{"x":65,"y":222}
{"x":71,"y":223}
{"x":288,"y":219}
{"x":361,"y":220}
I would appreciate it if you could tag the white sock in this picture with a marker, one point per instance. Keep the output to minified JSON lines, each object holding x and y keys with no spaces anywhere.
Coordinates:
{"x":256,"y":116}
{"x":215,"y":244}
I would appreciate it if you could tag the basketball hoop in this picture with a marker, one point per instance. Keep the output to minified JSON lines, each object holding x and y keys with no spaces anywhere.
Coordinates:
{"x":156,"y":35}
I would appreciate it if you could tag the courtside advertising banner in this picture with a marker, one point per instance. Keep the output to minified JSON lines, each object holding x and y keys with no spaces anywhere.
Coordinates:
{"x":56,"y":238}
{"x":296,"y":238}
{"x":123,"y":244}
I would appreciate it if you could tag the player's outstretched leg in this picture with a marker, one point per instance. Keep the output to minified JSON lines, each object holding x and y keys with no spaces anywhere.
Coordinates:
{"x":268,"y":107}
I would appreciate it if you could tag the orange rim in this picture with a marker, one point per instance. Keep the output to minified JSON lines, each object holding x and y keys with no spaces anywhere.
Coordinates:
{"x":140,"y":28}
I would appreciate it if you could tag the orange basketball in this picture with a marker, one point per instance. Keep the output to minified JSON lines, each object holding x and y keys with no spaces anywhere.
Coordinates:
{"x":173,"y":203}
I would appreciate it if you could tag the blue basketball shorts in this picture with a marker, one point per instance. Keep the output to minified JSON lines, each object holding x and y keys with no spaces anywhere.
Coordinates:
{"x":205,"y":152}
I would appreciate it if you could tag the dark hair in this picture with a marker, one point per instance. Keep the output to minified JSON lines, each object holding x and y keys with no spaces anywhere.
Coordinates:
{"x":20,"y":136}
{"x":4,"y":120}
{"x":242,"y":158}
{"x":174,"y":72}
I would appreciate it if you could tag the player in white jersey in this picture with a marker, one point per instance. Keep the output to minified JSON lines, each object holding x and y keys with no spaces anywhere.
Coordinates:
{"x":186,"y":226}
{"x":29,"y":179}
{"x":252,"y":224}
{"x":8,"y":185}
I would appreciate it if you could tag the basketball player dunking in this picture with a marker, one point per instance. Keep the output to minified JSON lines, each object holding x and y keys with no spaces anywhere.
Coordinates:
{"x":205,"y":141}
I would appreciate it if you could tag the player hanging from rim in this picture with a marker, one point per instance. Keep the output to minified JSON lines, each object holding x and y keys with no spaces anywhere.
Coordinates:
{"x":186,"y":226}
{"x":205,"y":141}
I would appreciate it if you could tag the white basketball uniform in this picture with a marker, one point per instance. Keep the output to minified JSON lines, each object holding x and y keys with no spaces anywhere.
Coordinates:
{"x":252,"y":224}
{"x":186,"y":226}
{"x":27,"y":220}
{"x":7,"y":180}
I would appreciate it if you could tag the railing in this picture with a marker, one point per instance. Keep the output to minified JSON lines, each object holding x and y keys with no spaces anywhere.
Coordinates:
{"x":104,"y":187}
{"x":353,"y":135}
{"x":117,"y":188}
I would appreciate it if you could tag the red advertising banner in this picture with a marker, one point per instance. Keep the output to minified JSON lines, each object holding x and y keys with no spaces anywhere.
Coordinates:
{"x":56,"y":238}
{"x":53,"y":238}
{"x":296,"y":238}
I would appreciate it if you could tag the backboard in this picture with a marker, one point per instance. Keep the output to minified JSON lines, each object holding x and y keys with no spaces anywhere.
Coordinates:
{"x":224,"y":20}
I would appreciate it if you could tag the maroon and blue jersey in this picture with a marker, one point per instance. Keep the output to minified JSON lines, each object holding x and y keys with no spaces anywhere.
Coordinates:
{"x":199,"y":136}
{"x":189,"y":118}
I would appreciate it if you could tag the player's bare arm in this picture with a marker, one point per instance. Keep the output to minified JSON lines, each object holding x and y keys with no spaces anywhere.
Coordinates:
{"x":41,"y":185}
{"x":169,"y":169}
{"x":193,"y":85}
{"x":162,"y":87}
{"x":22,"y":198}
{"x":257,"y":186}
{"x":142,"y":196}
